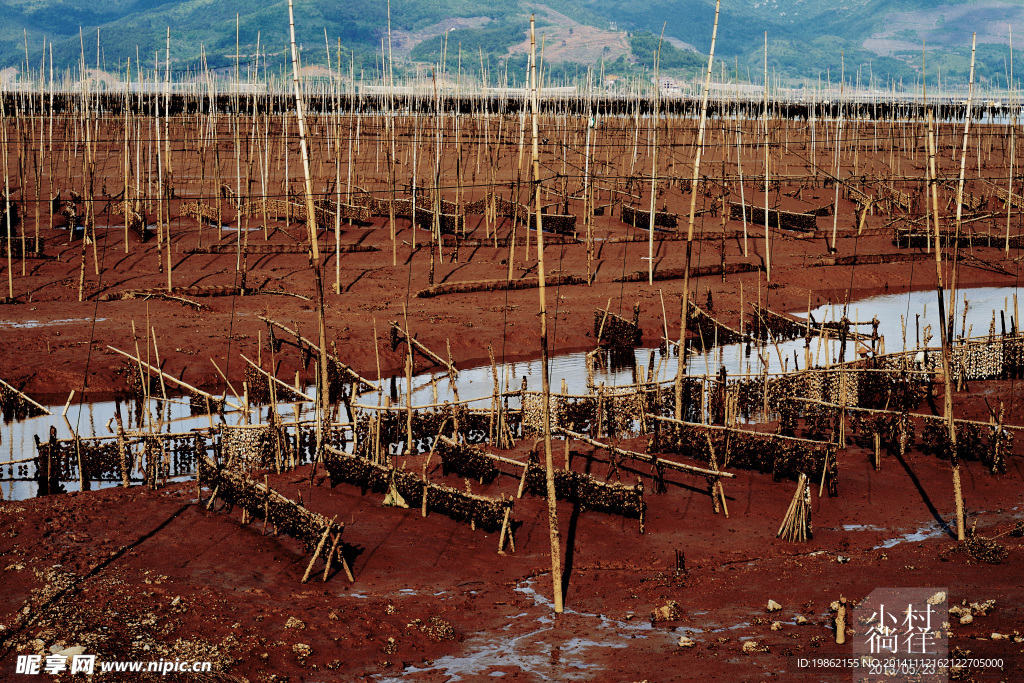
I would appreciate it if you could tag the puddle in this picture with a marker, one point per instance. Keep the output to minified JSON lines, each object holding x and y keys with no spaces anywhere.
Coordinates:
{"x":28,"y":324}
{"x":745,"y":624}
{"x":533,"y":652}
{"x":932,"y":530}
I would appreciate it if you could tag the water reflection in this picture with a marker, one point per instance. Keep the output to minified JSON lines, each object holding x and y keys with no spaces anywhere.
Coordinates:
{"x":904,"y":321}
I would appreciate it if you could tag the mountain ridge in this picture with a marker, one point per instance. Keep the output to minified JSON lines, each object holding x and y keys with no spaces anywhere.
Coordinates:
{"x":869,"y":40}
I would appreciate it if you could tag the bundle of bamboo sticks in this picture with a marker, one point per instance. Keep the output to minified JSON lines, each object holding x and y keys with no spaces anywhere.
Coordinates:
{"x":796,"y":525}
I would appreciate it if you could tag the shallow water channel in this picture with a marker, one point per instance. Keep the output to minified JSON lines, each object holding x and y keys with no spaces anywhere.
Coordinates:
{"x":919,"y":308}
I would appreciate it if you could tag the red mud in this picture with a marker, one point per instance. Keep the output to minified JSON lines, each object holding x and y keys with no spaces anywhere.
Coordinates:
{"x":123,"y":556}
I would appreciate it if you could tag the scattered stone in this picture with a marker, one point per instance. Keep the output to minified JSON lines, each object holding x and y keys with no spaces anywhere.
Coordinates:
{"x":842,"y":559}
{"x":390,"y":647}
{"x":776,"y":625}
{"x":302,"y":651}
{"x":773,"y":606}
{"x":754,"y":646}
{"x":687,"y":642}
{"x":176,"y":601}
{"x":981,"y":609}
{"x":937,"y":599}
{"x":438,"y":629}
{"x":801,"y":620}
{"x":966,"y":618}
{"x":295,"y":623}
{"x":668,"y":612}
{"x":1000,"y":636}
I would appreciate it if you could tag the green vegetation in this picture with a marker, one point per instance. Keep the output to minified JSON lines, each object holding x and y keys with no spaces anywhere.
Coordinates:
{"x":644,"y":46}
{"x":494,"y":40}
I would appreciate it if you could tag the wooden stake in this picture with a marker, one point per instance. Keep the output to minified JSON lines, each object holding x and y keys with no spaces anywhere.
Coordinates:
{"x":556,"y":561}
{"x":681,"y":370}
{"x":319,"y":547}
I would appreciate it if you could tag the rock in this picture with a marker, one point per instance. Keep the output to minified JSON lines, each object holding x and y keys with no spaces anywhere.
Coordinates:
{"x":776,"y":625}
{"x":295,"y":623}
{"x":773,"y":606}
{"x":668,"y":612}
{"x":966,"y":618}
{"x":1000,"y":636}
{"x":834,"y":606}
{"x":981,"y":609}
{"x":687,"y":642}
{"x":801,"y":620}
{"x":302,"y":651}
{"x":70,"y":652}
{"x":937,"y":599}
{"x":176,"y":601}
{"x":754,"y":646}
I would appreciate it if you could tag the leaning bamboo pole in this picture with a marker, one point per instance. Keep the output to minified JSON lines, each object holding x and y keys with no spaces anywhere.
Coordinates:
{"x":556,"y":560}
{"x":314,"y":250}
{"x":655,"y":122}
{"x":948,"y":396}
{"x":163,"y":375}
{"x":954,"y":456}
{"x":767,"y":172}
{"x":689,"y":230}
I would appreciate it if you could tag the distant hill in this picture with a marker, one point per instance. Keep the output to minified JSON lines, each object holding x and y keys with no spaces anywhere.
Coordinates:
{"x":879,"y":40}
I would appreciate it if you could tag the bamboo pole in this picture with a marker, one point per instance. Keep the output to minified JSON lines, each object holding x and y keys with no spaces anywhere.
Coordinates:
{"x":954,"y":456}
{"x":344,"y":368}
{"x":948,"y":397}
{"x":648,"y":458}
{"x":314,"y":249}
{"x":556,"y":562}
{"x":171,"y":378}
{"x":25,"y":397}
{"x":681,"y":370}
{"x":277,"y":381}
{"x":655,"y":122}
{"x":1013,"y":149}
